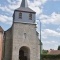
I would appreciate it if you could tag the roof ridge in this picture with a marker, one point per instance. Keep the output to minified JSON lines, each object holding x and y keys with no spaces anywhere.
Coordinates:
{"x":1,"y":29}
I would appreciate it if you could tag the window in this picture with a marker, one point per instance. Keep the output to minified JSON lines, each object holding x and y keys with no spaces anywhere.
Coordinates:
{"x":20,"y":15}
{"x":30,"y":16}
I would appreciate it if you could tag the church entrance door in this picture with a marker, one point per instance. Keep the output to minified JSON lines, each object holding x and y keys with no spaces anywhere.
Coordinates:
{"x":24,"y":53}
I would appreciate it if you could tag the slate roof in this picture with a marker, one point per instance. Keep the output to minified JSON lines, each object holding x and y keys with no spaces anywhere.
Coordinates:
{"x":24,"y":7}
{"x":27,"y":9}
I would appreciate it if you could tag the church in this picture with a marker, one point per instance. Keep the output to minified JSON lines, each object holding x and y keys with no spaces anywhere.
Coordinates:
{"x":20,"y":41}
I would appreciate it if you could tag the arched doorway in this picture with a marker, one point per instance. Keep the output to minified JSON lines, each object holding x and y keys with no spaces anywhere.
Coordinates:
{"x":24,"y":53}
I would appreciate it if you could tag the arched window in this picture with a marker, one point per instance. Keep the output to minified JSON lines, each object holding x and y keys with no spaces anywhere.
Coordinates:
{"x":30,"y":16}
{"x":20,"y":15}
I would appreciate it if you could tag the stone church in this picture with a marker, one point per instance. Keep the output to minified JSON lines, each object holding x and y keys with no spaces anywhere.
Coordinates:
{"x":20,"y":41}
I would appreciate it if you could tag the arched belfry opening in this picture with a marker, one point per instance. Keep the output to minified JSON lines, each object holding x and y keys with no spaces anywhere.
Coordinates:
{"x":24,"y":53}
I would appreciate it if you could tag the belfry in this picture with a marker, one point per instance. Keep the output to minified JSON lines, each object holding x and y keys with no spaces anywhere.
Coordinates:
{"x":21,"y":40}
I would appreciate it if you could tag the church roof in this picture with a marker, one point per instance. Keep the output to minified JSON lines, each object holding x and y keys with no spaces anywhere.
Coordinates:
{"x":1,"y":30}
{"x":25,"y":10}
{"x":24,"y":7}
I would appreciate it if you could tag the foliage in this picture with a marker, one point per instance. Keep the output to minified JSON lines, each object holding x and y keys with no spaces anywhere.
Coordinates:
{"x":47,"y":56}
{"x":58,"y":47}
{"x":44,"y":51}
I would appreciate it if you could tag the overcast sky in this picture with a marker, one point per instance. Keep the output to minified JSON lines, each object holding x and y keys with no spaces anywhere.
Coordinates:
{"x":47,"y":11}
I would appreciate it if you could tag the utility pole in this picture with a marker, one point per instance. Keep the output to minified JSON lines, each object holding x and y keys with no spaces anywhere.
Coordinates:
{"x":40,"y":39}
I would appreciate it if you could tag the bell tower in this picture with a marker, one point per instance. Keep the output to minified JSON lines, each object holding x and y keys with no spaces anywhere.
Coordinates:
{"x":24,"y":14}
{"x":26,"y":45}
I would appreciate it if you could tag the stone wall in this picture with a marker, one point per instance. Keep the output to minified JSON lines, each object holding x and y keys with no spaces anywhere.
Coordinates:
{"x":7,"y":44}
{"x":1,"y":44}
{"x":24,"y":34}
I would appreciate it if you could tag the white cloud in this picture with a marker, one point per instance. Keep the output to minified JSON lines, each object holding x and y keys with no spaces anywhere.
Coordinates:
{"x":54,"y":42}
{"x":58,"y":29}
{"x":12,"y":7}
{"x":12,"y":1}
{"x":50,"y":33}
{"x":56,"y":0}
{"x":54,"y":18}
{"x":15,"y":5}
{"x":50,"y":44}
{"x":36,"y":9}
{"x":43,"y":1}
{"x":5,"y":19}
{"x":6,"y":9}
{"x":36,"y":5}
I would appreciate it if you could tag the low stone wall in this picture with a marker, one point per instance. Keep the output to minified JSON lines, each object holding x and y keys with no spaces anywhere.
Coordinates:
{"x":50,"y":57}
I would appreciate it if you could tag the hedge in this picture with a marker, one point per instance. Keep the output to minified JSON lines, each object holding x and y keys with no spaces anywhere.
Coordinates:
{"x":47,"y":56}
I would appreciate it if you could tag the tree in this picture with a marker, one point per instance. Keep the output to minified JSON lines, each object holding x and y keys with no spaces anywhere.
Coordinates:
{"x":44,"y":51}
{"x":59,"y":47}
